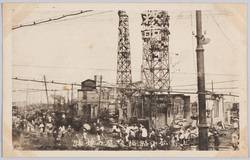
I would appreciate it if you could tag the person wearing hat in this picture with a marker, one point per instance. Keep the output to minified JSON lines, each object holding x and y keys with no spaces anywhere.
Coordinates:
{"x":62,"y":130}
{"x":55,"y":134}
{"x":126,"y":133}
{"x":186,"y":135}
{"x":114,"y":128}
{"x":69,"y":129}
{"x":144,"y":134}
{"x":138,"y":135}
{"x":152,"y":134}
{"x":168,"y":132}
{"x":84,"y":133}
{"x":131,"y":135}
{"x":99,"y":133}
{"x":120,"y":143}
{"x":29,"y":125}
{"x":235,"y":125}
{"x":49,"y":128}
{"x":216,"y":141}
{"x":162,"y":144}
{"x":176,"y":138}
{"x":41,"y":128}
{"x":152,"y":139}
{"x":182,"y":137}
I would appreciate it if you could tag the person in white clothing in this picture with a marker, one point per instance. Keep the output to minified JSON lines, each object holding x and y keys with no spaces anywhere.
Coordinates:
{"x":84,"y":134}
{"x":62,"y":130}
{"x":41,"y":129}
{"x":235,"y":140}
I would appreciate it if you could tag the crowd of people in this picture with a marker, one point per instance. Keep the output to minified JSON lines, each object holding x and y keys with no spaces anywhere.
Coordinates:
{"x":137,"y":136}
{"x":44,"y":123}
{"x":123,"y":136}
{"x":180,"y":135}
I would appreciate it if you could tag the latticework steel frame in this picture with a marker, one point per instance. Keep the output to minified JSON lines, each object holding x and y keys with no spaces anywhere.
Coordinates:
{"x":155,"y":59}
{"x":124,"y":76}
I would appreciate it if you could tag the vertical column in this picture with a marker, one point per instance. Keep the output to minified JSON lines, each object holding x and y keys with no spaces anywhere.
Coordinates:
{"x":203,"y":135}
{"x":124,"y":76}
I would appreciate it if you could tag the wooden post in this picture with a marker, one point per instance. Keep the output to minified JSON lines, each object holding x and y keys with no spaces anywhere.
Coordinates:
{"x":46,"y":90}
{"x":72,"y":90}
{"x":100,"y":94}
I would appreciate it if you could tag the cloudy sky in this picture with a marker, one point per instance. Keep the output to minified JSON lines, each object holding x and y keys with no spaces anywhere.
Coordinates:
{"x":76,"y":48}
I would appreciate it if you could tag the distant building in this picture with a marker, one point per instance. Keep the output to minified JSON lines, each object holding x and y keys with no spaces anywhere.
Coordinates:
{"x":234,"y":112}
{"x":218,"y":110}
{"x":162,"y":109}
{"x":92,"y":100}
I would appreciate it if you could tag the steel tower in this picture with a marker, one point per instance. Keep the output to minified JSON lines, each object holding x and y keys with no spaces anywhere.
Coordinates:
{"x":124,"y":76}
{"x":155,"y":59}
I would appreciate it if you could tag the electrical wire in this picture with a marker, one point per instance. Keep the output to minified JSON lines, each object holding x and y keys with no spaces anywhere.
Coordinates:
{"x":188,"y":89}
{"x":176,"y":20}
{"x":40,"y":81}
{"x":49,"y":20}
{"x":89,"y":16}
{"x":122,"y":88}
{"x":35,"y":90}
{"x":61,"y":18}
{"x":101,"y":69}
{"x":230,"y":44}
{"x":206,"y":83}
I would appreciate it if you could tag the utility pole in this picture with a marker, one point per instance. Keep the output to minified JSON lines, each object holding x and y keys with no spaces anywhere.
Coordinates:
{"x":203,"y":134}
{"x":27,"y":96}
{"x":100,"y":94}
{"x":41,"y":97}
{"x":72,"y":90}
{"x":68,"y":96}
{"x":46,"y":90}
{"x":212,"y":87}
{"x":142,"y":105}
{"x":212,"y":111}
{"x":54,"y":99}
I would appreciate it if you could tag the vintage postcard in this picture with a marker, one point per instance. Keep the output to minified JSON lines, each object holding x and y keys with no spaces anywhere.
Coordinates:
{"x":125,"y":80}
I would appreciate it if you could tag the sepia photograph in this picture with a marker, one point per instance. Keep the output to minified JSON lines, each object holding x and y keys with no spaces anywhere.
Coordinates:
{"x":166,"y":79}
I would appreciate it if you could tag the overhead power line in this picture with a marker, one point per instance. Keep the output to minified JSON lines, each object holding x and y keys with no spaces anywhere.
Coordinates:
{"x":188,"y":89}
{"x":49,"y":20}
{"x":109,"y":69}
{"x":62,"y":18}
{"x":230,"y":44}
{"x":93,"y":20}
{"x":181,"y":92}
{"x":124,"y":88}
{"x":35,"y":90}
{"x":206,"y":83}
{"x":41,"y":81}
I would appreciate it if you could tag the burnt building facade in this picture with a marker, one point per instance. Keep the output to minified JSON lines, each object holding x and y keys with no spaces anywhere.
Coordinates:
{"x":93,"y":100}
{"x":161,"y":109}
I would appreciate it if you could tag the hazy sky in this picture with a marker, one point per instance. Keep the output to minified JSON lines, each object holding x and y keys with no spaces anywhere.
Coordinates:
{"x":77,"y":48}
